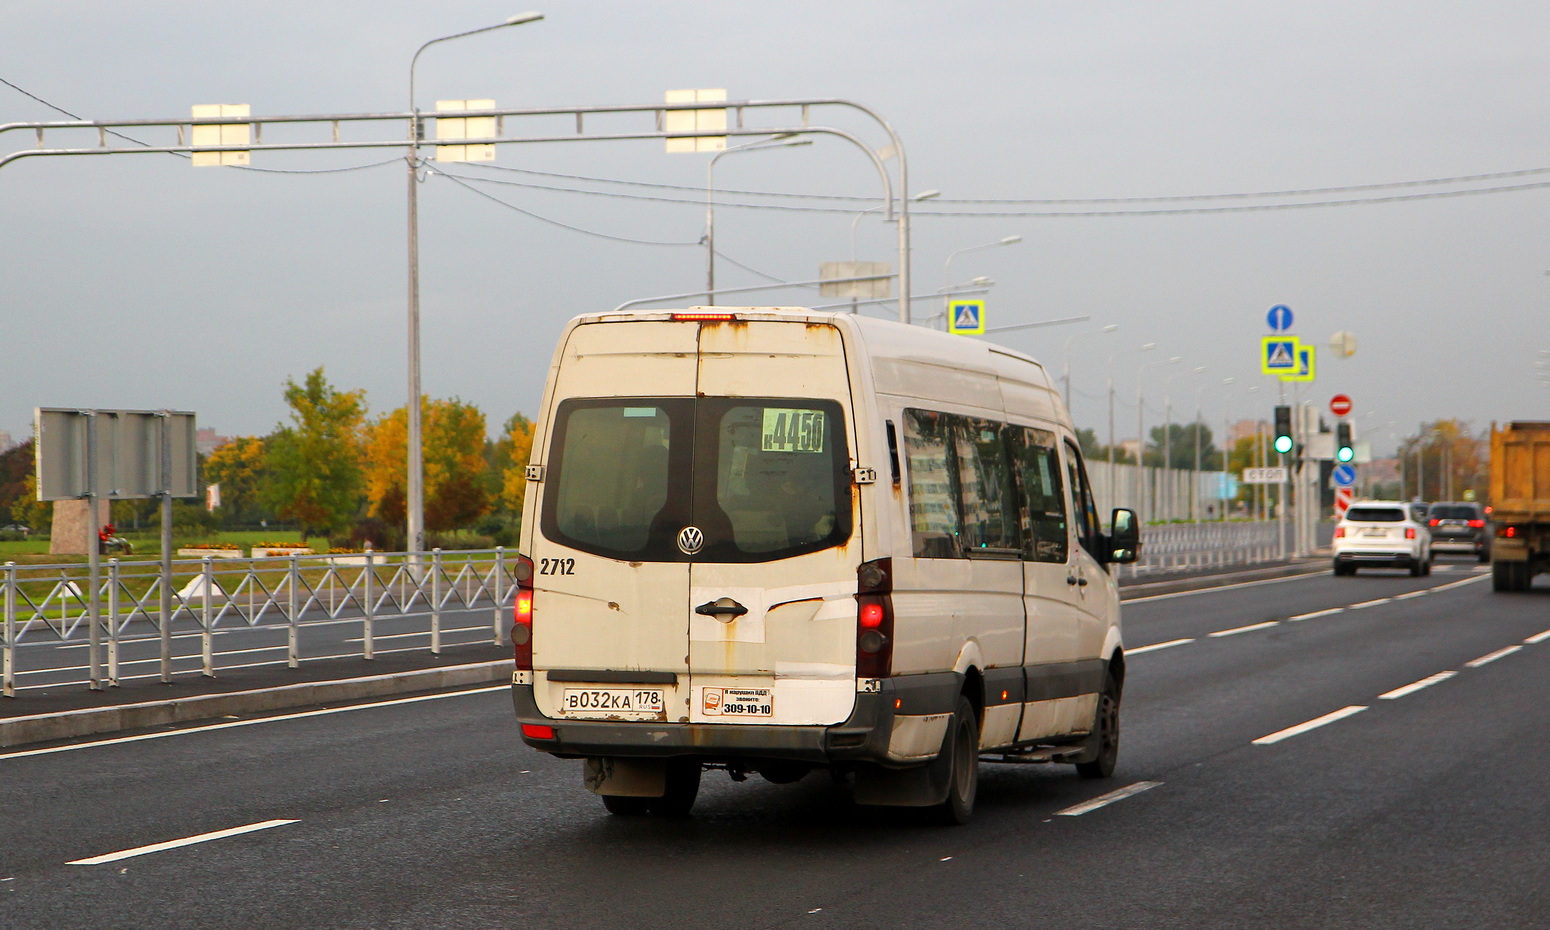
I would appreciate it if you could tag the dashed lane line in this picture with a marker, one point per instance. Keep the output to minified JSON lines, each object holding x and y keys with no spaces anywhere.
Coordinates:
{"x":1415,"y":686}
{"x":1492,"y":657}
{"x":1313,"y":724}
{"x":1318,"y":613}
{"x":1538,"y":638}
{"x":1372,"y":603}
{"x":1107,"y":799}
{"x":1246,"y":629}
{"x":1156,"y":646}
{"x":178,"y":844}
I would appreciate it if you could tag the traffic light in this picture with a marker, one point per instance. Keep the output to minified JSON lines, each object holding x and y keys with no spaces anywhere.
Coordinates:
{"x":1343,"y":450}
{"x":1283,"y":435}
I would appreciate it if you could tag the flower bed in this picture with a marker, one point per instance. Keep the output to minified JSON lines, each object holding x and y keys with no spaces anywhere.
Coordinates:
{"x":271,"y":552}
{"x":210,"y":552}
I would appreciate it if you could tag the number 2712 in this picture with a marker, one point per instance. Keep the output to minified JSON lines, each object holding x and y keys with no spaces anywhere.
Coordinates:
{"x":556,"y":566}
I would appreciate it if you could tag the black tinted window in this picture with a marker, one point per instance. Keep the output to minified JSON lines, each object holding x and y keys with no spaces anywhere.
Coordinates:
{"x":1455,"y":512}
{"x":762,"y":478}
{"x":1375,"y":515}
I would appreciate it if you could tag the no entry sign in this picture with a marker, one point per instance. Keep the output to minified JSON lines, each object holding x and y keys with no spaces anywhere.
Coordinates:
{"x":1340,"y":405}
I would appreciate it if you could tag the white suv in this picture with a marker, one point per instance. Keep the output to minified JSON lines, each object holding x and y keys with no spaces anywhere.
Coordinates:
{"x":1382,"y":533}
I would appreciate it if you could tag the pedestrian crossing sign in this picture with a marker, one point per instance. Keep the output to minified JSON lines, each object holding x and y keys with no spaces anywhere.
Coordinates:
{"x":1278,"y":355}
{"x":966,"y":317}
{"x":1305,"y":360}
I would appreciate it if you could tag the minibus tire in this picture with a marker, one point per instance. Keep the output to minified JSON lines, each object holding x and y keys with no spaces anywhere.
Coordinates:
{"x":963,"y":766}
{"x":683,"y":786}
{"x":625,"y":805}
{"x":1103,"y":744}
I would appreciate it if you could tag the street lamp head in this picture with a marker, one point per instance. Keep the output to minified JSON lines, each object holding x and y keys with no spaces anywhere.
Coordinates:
{"x":926,"y":195}
{"x":1009,"y":240}
{"x":520,"y":18}
{"x":1199,"y":368}
{"x":1111,"y":327}
{"x":1147,"y":347}
{"x":1174,"y":360}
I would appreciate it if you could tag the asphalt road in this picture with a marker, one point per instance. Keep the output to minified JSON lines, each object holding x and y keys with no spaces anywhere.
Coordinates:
{"x":1409,"y":807}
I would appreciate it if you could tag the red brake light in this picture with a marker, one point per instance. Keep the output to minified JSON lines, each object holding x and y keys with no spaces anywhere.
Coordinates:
{"x":704,"y":317}
{"x":874,"y":619}
{"x":537,"y":731}
{"x":1409,"y":532}
{"x":1435,"y":521}
{"x":1508,"y":531}
{"x":1477,"y":524}
{"x":1339,"y":532}
{"x":522,"y":616}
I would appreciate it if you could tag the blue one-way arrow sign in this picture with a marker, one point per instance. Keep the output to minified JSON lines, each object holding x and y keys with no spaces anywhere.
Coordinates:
{"x":1279,"y":318}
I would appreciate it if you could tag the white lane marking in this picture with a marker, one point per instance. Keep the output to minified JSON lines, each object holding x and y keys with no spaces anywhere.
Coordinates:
{"x":1225,"y":587}
{"x":1421,"y":593}
{"x":1458,"y":584}
{"x":218,"y":667}
{"x":1318,"y":613}
{"x":1107,"y":799}
{"x":1247,"y":629}
{"x":1372,"y":603}
{"x":444,"y":632}
{"x":1313,"y":724}
{"x":1415,"y":686}
{"x":1156,"y":646}
{"x":248,"y":723}
{"x":1538,"y":638}
{"x":1492,"y":657}
{"x":176,"y":844}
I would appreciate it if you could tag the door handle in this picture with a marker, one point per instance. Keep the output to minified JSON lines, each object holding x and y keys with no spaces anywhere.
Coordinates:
{"x":723,"y":608}
{"x":1076,"y":580}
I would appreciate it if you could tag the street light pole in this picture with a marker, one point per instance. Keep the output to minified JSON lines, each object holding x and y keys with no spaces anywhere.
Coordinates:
{"x":710,"y":202}
{"x":1113,"y":489}
{"x":1109,"y":328}
{"x":1141,"y":421}
{"x":415,"y":505}
{"x":923,"y":195}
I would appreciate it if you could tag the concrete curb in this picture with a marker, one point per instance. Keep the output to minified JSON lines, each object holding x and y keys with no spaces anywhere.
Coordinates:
{"x":17,"y":731}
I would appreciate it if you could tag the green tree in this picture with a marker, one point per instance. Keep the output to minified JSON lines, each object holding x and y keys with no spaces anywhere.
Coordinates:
{"x":314,"y":474}
{"x":1181,"y":446}
{"x":16,"y":463}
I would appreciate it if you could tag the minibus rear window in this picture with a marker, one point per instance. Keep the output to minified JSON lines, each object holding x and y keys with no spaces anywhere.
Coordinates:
{"x":761,"y":478}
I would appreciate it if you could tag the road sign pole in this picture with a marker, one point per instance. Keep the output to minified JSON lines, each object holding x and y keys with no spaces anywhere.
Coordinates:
{"x":93,"y":557}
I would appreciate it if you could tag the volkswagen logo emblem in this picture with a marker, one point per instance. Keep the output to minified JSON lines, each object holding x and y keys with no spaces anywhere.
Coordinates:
{"x":691,"y":540}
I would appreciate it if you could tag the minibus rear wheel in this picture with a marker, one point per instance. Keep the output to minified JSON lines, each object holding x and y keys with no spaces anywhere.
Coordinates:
{"x":964,"y":765}
{"x":1103,"y":745}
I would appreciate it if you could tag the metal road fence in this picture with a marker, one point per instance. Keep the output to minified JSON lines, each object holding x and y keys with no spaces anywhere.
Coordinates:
{"x":145,"y":610}
{"x":309,"y":607}
{"x":1184,"y":546}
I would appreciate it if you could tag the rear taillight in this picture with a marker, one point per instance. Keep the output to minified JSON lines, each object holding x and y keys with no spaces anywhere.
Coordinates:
{"x":1507,"y":531}
{"x":1409,"y":532}
{"x":1477,"y":524}
{"x":522,"y":615}
{"x":1339,"y":532}
{"x":1435,"y":521}
{"x":874,"y":619}
{"x":537,"y":731}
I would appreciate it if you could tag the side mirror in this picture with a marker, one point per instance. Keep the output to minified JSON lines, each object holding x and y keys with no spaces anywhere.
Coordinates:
{"x":1124,"y":536}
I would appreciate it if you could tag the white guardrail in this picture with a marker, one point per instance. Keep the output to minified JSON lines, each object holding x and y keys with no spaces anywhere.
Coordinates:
{"x":138,"y":603}
{"x":1168,"y":547}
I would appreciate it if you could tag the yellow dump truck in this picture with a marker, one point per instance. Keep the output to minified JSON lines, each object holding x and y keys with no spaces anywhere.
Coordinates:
{"x":1520,"y":503}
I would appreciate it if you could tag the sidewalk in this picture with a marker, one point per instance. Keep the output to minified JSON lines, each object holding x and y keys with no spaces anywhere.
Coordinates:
{"x":63,"y":713}
{"x":46,"y":715}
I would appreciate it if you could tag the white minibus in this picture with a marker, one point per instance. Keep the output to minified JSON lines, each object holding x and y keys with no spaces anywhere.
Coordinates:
{"x":769,"y":540}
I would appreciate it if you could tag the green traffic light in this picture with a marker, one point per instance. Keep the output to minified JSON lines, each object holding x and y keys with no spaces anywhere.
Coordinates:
{"x":1283,"y":444}
{"x":1345,"y":453}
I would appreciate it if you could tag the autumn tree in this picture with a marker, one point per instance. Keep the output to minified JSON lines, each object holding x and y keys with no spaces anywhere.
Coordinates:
{"x":453,"y":440}
{"x":519,"y":437}
{"x":238,"y":467}
{"x":314,"y":464}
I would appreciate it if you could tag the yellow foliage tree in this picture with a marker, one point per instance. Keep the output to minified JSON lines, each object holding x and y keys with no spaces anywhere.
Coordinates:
{"x":453,"y":451}
{"x":238,"y":467}
{"x":519,"y":436}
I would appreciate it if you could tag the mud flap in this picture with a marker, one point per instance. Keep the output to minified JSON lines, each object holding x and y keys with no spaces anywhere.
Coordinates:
{"x":917,"y":786}
{"x":628,"y":778}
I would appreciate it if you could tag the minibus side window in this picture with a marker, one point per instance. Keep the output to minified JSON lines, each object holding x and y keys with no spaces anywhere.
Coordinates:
{"x":1085,"y":518}
{"x":933,"y":500}
{"x":1044,"y":497}
{"x":988,"y":507}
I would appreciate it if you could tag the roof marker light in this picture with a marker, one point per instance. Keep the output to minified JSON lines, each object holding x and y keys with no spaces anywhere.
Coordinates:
{"x":704,"y":317}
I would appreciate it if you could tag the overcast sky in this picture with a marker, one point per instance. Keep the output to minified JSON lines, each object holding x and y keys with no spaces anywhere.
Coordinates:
{"x":142,"y":282}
